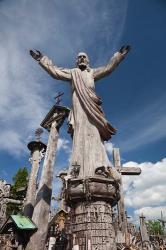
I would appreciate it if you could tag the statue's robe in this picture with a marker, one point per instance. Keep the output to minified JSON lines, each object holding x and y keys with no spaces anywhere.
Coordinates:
{"x":86,"y":118}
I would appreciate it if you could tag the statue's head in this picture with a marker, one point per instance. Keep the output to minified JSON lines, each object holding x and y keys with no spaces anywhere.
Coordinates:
{"x":82,"y":61}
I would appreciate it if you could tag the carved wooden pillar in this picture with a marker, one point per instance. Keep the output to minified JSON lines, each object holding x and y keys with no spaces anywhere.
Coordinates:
{"x":36,"y":147}
{"x":90,"y":218}
{"x":52,"y":123}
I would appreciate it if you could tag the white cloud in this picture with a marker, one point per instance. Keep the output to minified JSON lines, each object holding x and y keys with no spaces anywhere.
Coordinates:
{"x":64,"y":144}
{"x":148,"y":189}
{"x":151,"y":212}
{"x":11,"y":142}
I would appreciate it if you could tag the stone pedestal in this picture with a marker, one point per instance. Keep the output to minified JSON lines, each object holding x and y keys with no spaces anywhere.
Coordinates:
{"x":89,"y":225}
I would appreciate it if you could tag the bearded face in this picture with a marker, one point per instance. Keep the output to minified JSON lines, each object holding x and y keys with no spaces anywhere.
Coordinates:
{"x":82,"y":61}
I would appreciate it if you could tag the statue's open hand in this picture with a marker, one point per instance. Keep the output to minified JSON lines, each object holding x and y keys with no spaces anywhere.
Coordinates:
{"x":36,"y":55}
{"x":125,"y":49}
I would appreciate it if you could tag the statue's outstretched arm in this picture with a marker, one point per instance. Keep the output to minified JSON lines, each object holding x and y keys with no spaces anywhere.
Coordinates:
{"x":112,"y":64}
{"x":52,"y":69}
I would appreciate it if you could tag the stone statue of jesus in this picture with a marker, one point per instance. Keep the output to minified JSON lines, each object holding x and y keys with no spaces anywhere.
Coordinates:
{"x":87,"y":123}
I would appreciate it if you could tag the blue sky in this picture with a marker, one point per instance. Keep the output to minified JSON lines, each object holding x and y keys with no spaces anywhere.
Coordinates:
{"x":133,"y":96}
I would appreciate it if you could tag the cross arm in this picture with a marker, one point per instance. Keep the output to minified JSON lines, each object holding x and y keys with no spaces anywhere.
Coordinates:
{"x":130,"y":171}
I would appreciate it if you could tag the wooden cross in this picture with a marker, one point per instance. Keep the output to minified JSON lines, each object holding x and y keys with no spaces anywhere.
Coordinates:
{"x":75,"y":170}
{"x":123,"y":171}
{"x":143,"y":229}
{"x":4,"y":200}
{"x":162,"y":221}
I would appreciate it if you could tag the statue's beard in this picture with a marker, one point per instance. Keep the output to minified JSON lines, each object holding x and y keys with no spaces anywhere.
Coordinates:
{"x":82,"y":66}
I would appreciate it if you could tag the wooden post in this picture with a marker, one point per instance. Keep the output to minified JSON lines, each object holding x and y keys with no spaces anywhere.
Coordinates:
{"x":35,"y":147}
{"x":52,"y":122}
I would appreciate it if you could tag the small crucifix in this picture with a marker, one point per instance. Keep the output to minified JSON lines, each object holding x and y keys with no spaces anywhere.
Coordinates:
{"x":58,"y":98}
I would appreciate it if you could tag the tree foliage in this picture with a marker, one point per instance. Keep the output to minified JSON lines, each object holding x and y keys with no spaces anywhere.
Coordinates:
{"x":18,"y":190}
{"x":20,"y":181}
{"x":154,"y":227}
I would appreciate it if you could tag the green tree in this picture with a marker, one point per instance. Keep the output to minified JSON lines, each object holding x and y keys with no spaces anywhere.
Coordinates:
{"x":154,"y":227}
{"x":18,"y":190}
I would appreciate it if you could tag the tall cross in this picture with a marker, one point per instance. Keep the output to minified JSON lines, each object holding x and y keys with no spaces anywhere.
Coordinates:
{"x":123,"y":171}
